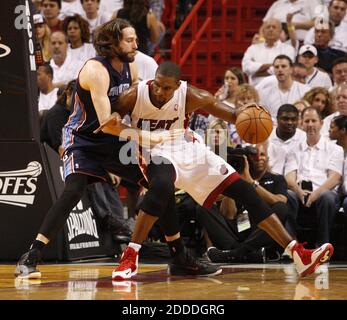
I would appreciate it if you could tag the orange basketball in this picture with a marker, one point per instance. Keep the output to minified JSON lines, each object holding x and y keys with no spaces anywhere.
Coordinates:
{"x":254,"y":124}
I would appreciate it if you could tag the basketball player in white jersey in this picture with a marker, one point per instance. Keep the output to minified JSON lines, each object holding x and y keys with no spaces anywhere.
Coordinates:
{"x":163,"y":104}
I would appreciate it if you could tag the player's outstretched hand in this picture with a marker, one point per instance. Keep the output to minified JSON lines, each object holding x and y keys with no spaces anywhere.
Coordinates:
{"x":152,"y":138}
{"x":113,"y":120}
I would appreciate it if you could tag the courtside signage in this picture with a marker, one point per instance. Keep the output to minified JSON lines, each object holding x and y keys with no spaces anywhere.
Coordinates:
{"x":18,"y":187}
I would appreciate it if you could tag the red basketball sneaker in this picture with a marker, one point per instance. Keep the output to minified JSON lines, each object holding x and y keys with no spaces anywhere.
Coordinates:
{"x":306,"y":260}
{"x":128,"y":265}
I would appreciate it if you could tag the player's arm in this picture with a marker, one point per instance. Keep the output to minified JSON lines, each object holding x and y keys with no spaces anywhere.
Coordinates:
{"x":134,"y":73}
{"x":95,"y":78}
{"x":201,"y":99}
{"x":113,"y":125}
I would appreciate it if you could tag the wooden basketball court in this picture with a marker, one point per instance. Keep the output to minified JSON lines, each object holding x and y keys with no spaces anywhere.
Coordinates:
{"x":92,"y":281}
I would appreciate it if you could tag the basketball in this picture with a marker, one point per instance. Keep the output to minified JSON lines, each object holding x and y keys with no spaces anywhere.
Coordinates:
{"x":254,"y":124}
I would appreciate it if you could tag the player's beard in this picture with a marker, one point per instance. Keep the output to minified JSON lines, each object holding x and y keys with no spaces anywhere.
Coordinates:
{"x":124,"y":56}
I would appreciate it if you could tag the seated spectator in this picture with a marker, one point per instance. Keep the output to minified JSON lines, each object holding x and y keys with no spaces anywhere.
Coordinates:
{"x":218,"y":138}
{"x":77,"y":31}
{"x":92,"y":14}
{"x":283,"y":89}
{"x":323,"y":32}
{"x":258,"y":58}
{"x":233,"y":77}
{"x":239,"y":240}
{"x":243,"y":94}
{"x":339,"y":69}
{"x":303,"y":12}
{"x":299,"y":72}
{"x":301,"y":105}
{"x":282,"y":141}
{"x":313,"y":172}
{"x":64,"y":69}
{"x":42,"y":34}
{"x":321,"y":99}
{"x":315,"y":77}
{"x":48,"y":93}
{"x":338,"y":132}
{"x":341,"y":108}
{"x":336,"y":13}
{"x":70,"y":8}
{"x":51,"y":11}
{"x":144,"y":21}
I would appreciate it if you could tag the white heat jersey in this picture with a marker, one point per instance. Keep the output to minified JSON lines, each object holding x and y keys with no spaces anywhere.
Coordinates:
{"x":199,"y":171}
{"x":170,"y":116}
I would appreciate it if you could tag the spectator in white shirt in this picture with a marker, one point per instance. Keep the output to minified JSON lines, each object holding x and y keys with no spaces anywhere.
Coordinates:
{"x":338,"y":132}
{"x":48,"y":93}
{"x":284,"y":138}
{"x":92,"y":14}
{"x":258,"y":58}
{"x":77,"y":30}
{"x":64,"y":70}
{"x":313,"y":172}
{"x":315,"y":77}
{"x":302,"y":19}
{"x":70,"y":8}
{"x":282,"y":90}
{"x":109,"y":8}
{"x":341,"y":106}
{"x":336,"y":13}
{"x":282,"y":141}
{"x":146,"y":66}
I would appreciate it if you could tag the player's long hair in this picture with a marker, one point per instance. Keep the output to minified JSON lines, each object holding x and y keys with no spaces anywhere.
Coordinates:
{"x":108,"y":36}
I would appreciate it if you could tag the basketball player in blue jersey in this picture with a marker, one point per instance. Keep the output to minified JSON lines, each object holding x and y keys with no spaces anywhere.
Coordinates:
{"x":163,"y":104}
{"x":88,"y":157}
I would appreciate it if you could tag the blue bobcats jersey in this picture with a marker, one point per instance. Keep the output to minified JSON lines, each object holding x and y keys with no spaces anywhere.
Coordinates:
{"x":83,"y":120}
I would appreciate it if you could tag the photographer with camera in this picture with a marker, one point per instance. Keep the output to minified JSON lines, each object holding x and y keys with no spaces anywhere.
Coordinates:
{"x":313,"y":172}
{"x":237,"y":239}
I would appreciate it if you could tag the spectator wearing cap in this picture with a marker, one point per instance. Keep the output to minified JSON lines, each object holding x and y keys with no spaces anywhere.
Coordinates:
{"x":51,"y":11}
{"x":315,"y":77}
{"x":42,"y":34}
{"x":323,"y":33}
{"x":336,"y":13}
{"x":258,"y":58}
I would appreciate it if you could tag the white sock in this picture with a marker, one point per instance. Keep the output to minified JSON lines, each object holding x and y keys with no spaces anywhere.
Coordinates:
{"x":135,"y":246}
{"x":288,"y":249}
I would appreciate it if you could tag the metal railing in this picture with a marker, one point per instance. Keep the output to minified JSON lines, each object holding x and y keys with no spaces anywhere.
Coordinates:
{"x":180,"y":55}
